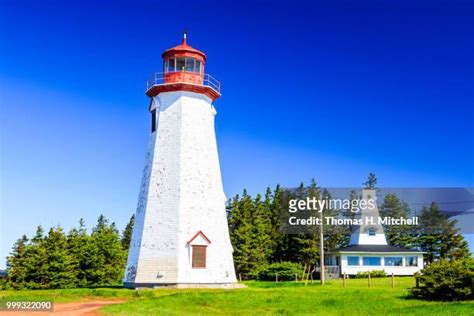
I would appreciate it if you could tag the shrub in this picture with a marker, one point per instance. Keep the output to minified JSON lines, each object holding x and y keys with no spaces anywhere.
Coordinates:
{"x":373,"y":274}
{"x":286,"y":271}
{"x":446,"y":280}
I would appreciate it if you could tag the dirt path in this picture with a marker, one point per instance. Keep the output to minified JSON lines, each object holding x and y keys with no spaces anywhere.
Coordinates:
{"x":87,"y":308}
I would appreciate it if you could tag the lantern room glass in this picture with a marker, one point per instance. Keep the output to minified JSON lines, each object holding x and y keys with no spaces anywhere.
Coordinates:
{"x":185,"y":64}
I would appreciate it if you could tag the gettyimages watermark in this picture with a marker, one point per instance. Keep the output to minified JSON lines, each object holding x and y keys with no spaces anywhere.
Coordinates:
{"x":414,"y":210}
{"x":366,"y":207}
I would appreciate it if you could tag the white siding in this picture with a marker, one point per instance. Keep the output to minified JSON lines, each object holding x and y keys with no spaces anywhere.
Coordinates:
{"x":369,"y":219}
{"x":181,"y":193}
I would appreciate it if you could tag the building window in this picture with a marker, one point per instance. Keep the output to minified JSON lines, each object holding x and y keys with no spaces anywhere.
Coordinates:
{"x":153,"y":121}
{"x":180,"y":64}
{"x":393,"y":261}
{"x":170,"y":65}
{"x":198,"y":66}
{"x":411,"y":261}
{"x":371,"y":231}
{"x":189,"y":64}
{"x":199,"y":256}
{"x":352,"y":261}
{"x":371,"y":261}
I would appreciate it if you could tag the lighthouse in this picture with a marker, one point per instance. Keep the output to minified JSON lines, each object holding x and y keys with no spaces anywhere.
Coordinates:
{"x":181,"y":235}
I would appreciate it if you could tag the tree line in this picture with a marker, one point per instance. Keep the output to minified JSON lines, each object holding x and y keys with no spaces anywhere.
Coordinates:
{"x":258,"y":235}
{"x":67,"y":260}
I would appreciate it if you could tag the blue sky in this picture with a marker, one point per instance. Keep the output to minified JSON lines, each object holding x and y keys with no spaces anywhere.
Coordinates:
{"x":328,"y":89}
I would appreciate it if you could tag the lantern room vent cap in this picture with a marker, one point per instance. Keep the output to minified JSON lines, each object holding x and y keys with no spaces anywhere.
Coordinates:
{"x":182,"y":48}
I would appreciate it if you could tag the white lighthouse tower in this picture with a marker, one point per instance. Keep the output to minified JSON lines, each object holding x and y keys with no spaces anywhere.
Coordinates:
{"x":181,"y":235}
{"x":370,"y":231}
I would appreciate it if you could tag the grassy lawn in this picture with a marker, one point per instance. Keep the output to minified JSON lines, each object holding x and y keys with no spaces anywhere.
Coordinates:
{"x":285,"y":298}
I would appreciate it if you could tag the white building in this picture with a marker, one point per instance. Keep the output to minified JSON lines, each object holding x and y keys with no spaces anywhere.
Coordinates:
{"x":181,"y":235}
{"x":368,"y":249}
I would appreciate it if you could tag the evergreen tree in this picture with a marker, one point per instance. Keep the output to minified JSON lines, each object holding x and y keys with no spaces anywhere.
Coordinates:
{"x":397,"y":235}
{"x":59,"y":269}
{"x":240,"y":223}
{"x":82,"y":250}
{"x":439,"y":236}
{"x":127,"y":233}
{"x":308,"y":242}
{"x":272,"y":224}
{"x":371,"y":182}
{"x":335,"y":236}
{"x":277,"y":210}
{"x":108,"y":257}
{"x":239,"y":231}
{"x":263,"y":245}
{"x":297,"y":242}
{"x":287,"y":249}
{"x":16,"y":268}
{"x":39,"y":235}
{"x":36,"y":261}
{"x":60,"y":261}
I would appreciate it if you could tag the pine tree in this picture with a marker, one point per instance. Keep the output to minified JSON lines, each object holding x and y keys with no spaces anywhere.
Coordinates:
{"x":60,"y":261}
{"x":37,"y":260}
{"x":288,"y":249}
{"x":127,"y":233}
{"x":439,"y":236}
{"x":371,"y":182}
{"x":107,"y":255}
{"x":277,"y":210}
{"x":60,"y":270}
{"x":397,"y":235}
{"x":16,"y":269}
{"x":262,"y":244}
{"x":240,"y":223}
{"x":308,"y":242}
{"x":298,"y":243}
{"x":335,"y":236}
{"x":81,"y":249}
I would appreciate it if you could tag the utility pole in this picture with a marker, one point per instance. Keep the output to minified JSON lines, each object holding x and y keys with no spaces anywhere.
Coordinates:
{"x":321,"y":249}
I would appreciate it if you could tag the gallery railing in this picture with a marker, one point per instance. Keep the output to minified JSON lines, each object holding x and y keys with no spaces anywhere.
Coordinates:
{"x":160,"y":78}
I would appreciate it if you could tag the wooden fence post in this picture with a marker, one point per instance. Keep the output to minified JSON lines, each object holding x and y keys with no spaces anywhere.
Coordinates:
{"x":393,"y":280}
{"x":344,"y":280}
{"x":417,"y":282}
{"x":240,"y":277}
{"x":296,"y":277}
{"x":276,"y":277}
{"x":369,"y":279}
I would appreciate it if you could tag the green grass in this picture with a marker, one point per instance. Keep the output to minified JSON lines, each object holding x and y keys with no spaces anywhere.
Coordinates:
{"x":284,"y":298}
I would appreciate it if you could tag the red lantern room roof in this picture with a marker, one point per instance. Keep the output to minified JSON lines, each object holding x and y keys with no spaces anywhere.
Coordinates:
{"x":183,"y":70}
{"x":183,"y":49}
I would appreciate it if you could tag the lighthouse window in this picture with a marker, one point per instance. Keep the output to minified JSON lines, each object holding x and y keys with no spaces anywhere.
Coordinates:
{"x":199,"y":256}
{"x":371,"y":231}
{"x":153,"y":121}
{"x":170,"y":65}
{"x":180,"y":64}
{"x":189,"y":64}
{"x":198,"y":66}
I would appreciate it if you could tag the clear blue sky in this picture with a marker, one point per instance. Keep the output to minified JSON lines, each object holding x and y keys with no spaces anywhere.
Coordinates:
{"x":328,"y":89}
